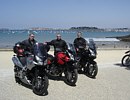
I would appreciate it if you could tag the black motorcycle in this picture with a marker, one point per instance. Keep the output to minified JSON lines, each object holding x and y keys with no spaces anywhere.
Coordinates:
{"x":29,"y":68}
{"x":86,"y":63}
{"x":126,"y":59}
{"x":63,"y":62}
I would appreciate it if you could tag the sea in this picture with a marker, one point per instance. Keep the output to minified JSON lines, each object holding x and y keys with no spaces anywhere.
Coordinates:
{"x":8,"y":38}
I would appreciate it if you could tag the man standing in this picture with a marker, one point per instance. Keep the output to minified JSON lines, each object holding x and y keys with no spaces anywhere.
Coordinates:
{"x":58,"y":43}
{"x":80,"y":42}
{"x":29,"y":43}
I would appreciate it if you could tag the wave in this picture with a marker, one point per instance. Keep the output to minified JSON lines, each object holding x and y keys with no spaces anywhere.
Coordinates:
{"x":102,"y":39}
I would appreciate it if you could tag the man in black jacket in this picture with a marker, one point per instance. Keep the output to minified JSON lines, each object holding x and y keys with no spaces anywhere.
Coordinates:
{"x":29,"y":43}
{"x":80,"y":42}
{"x":58,"y":43}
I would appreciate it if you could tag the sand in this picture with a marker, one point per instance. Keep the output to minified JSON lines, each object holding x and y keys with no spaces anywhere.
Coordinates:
{"x":112,"y":81}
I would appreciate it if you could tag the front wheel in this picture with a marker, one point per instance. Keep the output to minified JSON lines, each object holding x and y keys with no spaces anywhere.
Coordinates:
{"x":71,"y":77}
{"x":91,"y":70}
{"x":126,"y":60}
{"x":40,"y":85}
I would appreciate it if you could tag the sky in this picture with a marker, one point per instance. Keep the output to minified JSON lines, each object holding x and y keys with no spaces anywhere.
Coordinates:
{"x":20,"y":14}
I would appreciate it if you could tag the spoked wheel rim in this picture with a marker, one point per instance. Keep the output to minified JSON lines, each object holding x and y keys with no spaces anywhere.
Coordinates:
{"x":40,"y":85}
{"x":92,"y":70}
{"x":71,"y":77}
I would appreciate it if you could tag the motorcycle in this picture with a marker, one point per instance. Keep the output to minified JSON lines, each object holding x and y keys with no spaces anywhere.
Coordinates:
{"x":85,"y":61}
{"x":29,"y":69}
{"x":63,"y":62}
{"x":126,"y":59}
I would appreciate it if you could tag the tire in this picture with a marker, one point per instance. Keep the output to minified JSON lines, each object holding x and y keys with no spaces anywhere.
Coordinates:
{"x":91,"y":69}
{"x":40,"y":89}
{"x":71,"y":77}
{"x":126,"y":60}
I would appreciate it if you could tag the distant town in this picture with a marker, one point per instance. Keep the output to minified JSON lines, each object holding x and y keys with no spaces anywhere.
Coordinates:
{"x":84,"y":28}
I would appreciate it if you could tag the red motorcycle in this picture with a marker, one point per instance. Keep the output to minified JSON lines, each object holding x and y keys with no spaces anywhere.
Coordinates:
{"x":63,"y":62}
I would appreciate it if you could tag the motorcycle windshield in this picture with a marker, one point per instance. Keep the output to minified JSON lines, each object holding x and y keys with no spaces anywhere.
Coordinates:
{"x":92,"y":44}
{"x":40,"y":51}
{"x":71,"y":48}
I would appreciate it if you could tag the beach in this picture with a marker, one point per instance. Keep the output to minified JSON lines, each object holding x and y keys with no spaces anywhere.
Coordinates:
{"x":112,"y":81}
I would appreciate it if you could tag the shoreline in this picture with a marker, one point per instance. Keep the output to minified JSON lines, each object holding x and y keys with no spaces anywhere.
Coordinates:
{"x":101,"y":45}
{"x":112,"y":48}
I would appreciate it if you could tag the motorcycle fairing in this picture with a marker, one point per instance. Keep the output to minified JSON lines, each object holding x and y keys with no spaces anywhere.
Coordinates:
{"x":62,"y":58}
{"x":16,"y":62}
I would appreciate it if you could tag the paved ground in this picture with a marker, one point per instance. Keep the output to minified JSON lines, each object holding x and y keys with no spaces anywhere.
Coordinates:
{"x":112,"y":83}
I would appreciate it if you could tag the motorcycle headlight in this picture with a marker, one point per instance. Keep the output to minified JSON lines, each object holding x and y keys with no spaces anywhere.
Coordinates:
{"x":92,"y":54}
{"x":71,"y":56}
{"x":45,"y":62}
{"x":39,"y":60}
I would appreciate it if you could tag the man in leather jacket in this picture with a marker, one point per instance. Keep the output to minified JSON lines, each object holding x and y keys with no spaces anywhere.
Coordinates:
{"x":29,"y":43}
{"x":80,"y":42}
{"x":59,"y":44}
{"x":26,"y":45}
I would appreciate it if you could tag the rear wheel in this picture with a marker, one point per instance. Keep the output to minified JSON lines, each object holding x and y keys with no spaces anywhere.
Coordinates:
{"x":91,"y":70}
{"x":40,"y":85}
{"x":126,"y":60}
{"x":71,"y":77}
